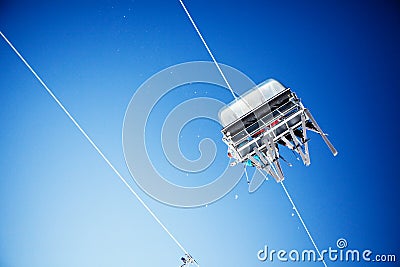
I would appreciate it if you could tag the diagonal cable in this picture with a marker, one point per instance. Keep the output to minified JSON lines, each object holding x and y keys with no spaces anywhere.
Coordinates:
{"x":233,"y":93}
{"x":303,"y":223}
{"x":93,"y":144}
{"x":208,"y":49}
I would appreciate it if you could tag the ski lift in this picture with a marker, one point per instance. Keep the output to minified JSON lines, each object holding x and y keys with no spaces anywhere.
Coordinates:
{"x":264,"y":118}
{"x":188,"y":260}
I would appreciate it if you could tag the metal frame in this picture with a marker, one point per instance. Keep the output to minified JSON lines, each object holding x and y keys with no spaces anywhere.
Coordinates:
{"x":279,"y":125}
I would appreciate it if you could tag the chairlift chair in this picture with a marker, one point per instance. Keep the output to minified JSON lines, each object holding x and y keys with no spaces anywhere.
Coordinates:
{"x":188,"y":260}
{"x":265,"y":116}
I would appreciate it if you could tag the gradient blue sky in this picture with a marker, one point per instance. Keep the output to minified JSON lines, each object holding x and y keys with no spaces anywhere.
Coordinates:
{"x":61,"y":205}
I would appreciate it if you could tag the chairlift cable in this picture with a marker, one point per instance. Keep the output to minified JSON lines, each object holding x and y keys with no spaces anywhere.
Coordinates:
{"x":223,"y":76}
{"x":208,"y":49}
{"x":304,"y":225}
{"x":93,"y":144}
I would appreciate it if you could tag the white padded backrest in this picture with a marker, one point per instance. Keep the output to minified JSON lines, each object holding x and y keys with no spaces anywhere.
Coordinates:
{"x":249,"y":101}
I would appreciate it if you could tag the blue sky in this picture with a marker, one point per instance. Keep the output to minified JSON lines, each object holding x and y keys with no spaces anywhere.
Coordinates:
{"x":61,"y":205}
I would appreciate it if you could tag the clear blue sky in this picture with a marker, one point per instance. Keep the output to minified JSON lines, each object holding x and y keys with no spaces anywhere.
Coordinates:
{"x":61,"y":205}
